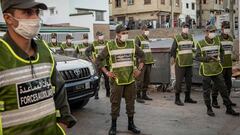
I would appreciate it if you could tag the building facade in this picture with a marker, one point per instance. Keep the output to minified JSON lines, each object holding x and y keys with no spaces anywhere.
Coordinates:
{"x":189,"y":11}
{"x":156,"y":13}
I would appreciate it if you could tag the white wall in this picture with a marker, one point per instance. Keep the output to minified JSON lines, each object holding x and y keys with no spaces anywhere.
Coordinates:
{"x":189,"y":11}
{"x":83,"y":21}
{"x":1,"y":15}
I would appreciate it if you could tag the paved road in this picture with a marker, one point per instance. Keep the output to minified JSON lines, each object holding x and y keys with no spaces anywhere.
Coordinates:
{"x":160,"y":117}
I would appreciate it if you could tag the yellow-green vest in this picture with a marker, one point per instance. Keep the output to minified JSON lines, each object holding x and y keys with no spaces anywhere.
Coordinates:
{"x":69,"y":50}
{"x":122,"y":61}
{"x":56,"y":48}
{"x":148,"y":59}
{"x":210,"y":68}
{"x":227,"y":45}
{"x":98,"y":49}
{"x":81,"y":48}
{"x":26,"y":99}
{"x":184,"y":50}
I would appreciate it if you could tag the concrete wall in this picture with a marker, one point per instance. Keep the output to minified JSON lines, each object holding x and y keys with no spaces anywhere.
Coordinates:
{"x":103,"y":28}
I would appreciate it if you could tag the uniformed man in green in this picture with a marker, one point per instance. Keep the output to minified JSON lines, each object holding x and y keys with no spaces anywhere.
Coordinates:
{"x":227,"y":45}
{"x":121,"y":55}
{"x":182,"y":53}
{"x":81,"y":48}
{"x":210,"y":53}
{"x":28,"y":101}
{"x":92,"y":52}
{"x":54,"y":44}
{"x":142,"y":84}
{"x":68,"y":47}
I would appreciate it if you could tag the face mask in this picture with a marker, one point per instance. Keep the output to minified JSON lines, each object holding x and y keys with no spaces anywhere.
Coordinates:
{"x":226,"y":31}
{"x":211,"y":35}
{"x":69,"y":40}
{"x":54,"y":40}
{"x":101,"y":37}
{"x":28,"y":28}
{"x":124,"y":37}
{"x":85,"y":41}
{"x":185,"y":30}
{"x":146,"y":33}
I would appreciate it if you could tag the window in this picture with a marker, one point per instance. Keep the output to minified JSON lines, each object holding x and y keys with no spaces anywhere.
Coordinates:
{"x":117,"y":3}
{"x":52,"y":10}
{"x":163,"y":2}
{"x":110,"y":1}
{"x":99,"y":16}
{"x":204,"y":1}
{"x":147,"y":2}
{"x":187,"y":5}
{"x":220,"y":2}
{"x":216,"y":1}
{"x":177,"y":3}
{"x":193,"y":6}
{"x":130,"y":2}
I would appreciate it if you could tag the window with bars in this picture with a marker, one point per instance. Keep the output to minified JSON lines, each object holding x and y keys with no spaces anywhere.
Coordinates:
{"x":99,"y":16}
{"x":147,"y":2}
{"x":117,"y":3}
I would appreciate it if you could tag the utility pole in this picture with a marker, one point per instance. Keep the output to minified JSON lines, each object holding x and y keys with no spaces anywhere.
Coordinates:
{"x":200,"y":14}
{"x":231,"y":17}
{"x":172,"y":13}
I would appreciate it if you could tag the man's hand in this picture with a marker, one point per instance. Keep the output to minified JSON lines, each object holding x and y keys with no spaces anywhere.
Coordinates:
{"x":136,"y":73}
{"x":63,"y":126}
{"x":173,"y":61}
{"x":110,"y":74}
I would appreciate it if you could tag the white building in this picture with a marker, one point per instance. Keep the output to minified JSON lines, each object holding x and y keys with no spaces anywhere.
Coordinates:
{"x":188,"y":8}
{"x":93,"y":14}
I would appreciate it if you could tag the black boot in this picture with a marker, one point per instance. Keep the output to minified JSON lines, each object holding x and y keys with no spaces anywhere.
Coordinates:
{"x":113,"y":129}
{"x":96,"y":96}
{"x":132,"y":127}
{"x":108,"y":93}
{"x":188,"y":99}
{"x":233,"y":104}
{"x":215,"y":102}
{"x":139,"y":98}
{"x":178,"y":100}
{"x":210,"y":111}
{"x":145,"y":96}
{"x":230,"y":111}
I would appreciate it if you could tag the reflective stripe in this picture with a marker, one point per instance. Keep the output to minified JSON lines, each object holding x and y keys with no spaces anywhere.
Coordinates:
{"x":145,"y":42}
{"x":58,"y":114}
{"x":82,"y":50}
{"x":22,"y":74}
{"x":209,"y":48}
{"x":186,"y":42}
{"x":2,"y":106}
{"x":61,"y":129}
{"x":147,"y":50}
{"x":121,"y":51}
{"x":69,"y":49}
{"x":1,"y":131}
{"x":185,"y":52}
{"x":28,"y":114}
{"x":122,"y":64}
{"x":226,"y":42}
{"x":100,"y":47}
{"x":227,"y":52}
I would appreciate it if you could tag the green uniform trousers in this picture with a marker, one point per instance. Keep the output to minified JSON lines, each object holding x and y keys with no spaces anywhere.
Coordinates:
{"x":144,"y":79}
{"x":119,"y":91}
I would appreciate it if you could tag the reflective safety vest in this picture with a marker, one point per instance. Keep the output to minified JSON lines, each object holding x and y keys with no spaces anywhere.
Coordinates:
{"x":98,"y":49}
{"x":121,"y":60}
{"x":184,"y":50}
{"x":81,"y":49}
{"x":69,"y":50}
{"x":227,"y":45}
{"x":210,"y":68}
{"x":26,"y":99}
{"x":56,"y":48}
{"x":148,"y":59}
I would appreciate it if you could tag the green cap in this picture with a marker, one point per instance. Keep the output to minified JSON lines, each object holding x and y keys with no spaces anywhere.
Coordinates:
{"x":144,"y":27}
{"x":185,"y":25}
{"x":210,"y":28}
{"x":69,"y":36}
{"x":120,"y":28}
{"x":99,"y":33}
{"x":85,"y":36}
{"x":21,"y":4}
{"x":53,"y":35}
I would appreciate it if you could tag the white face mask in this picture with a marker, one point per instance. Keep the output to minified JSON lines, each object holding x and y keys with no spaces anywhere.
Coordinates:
{"x":124,"y":37}
{"x":69,"y":40}
{"x":54,"y":40}
{"x":85,"y":41}
{"x":146,"y":33}
{"x":101,"y":37}
{"x":226,"y":31}
{"x":185,"y":30}
{"x":28,"y":28}
{"x":211,"y":35}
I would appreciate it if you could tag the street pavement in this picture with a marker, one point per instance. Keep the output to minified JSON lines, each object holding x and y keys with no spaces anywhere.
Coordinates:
{"x":158,"y":117}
